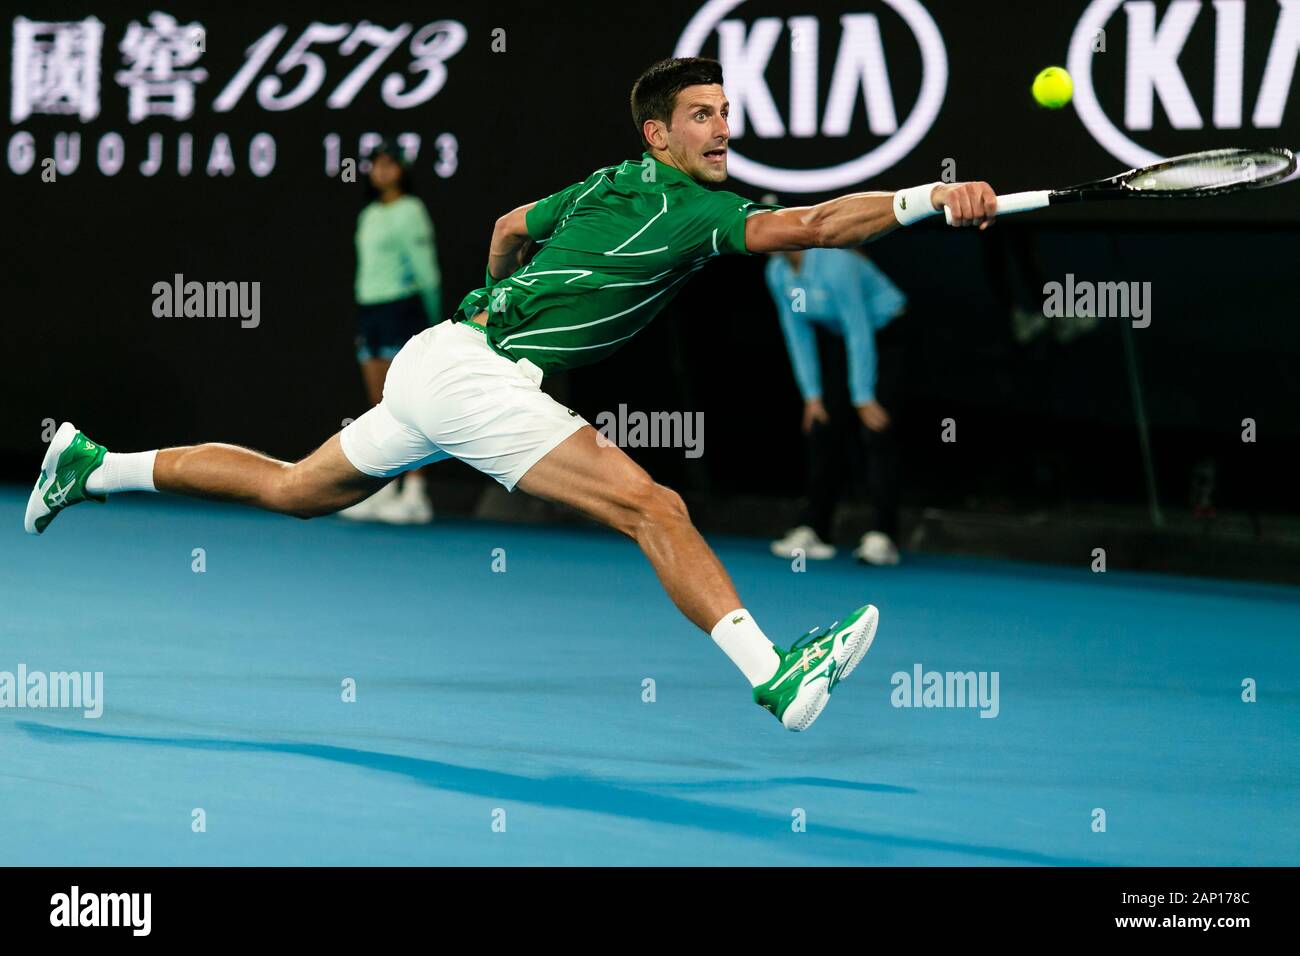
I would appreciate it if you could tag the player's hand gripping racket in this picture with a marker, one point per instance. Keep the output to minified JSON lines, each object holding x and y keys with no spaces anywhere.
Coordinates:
{"x":1214,"y":172}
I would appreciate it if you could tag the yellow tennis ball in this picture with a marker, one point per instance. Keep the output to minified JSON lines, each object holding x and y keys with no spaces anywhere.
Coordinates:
{"x":1053,"y":87}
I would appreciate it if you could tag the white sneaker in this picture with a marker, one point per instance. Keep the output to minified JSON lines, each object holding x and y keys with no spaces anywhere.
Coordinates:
{"x":369,"y":509}
{"x":421,"y":511}
{"x":411,"y":506}
{"x":876,"y":548}
{"x":806,"y":540}
{"x":415,"y":498}
{"x":407,"y":511}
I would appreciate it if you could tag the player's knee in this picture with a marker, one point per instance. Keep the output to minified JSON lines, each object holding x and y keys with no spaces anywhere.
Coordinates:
{"x":651,"y":504}
{"x":674,"y":507}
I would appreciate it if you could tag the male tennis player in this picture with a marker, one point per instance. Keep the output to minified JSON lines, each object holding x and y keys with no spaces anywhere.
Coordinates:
{"x":613,"y":250}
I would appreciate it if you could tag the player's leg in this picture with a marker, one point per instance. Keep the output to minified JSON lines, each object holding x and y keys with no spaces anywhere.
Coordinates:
{"x":347,"y":468}
{"x":77,"y":469}
{"x":451,"y":387}
{"x":322,"y":483}
{"x":490,"y":412}
{"x":600,"y":480}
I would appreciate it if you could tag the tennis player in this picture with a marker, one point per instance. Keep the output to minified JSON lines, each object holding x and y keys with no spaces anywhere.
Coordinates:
{"x":613,"y":249}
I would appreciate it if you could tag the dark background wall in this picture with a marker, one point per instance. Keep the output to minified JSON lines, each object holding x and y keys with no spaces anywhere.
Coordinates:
{"x":1044,"y":422}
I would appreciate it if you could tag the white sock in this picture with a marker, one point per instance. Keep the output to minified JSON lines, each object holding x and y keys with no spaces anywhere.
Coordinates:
{"x":742,"y":641}
{"x":132,"y":471}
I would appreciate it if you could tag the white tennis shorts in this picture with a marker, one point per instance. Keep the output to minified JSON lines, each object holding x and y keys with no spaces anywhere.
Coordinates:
{"x":448,"y":395}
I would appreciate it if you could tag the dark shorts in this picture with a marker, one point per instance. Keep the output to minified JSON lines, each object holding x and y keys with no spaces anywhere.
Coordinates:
{"x":384,"y":327}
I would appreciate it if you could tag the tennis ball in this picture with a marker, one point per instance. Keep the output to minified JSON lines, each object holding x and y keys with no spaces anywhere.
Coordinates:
{"x":1053,"y":87}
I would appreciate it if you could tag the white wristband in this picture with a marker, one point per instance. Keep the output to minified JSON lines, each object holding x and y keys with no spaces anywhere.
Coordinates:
{"x":913,"y":205}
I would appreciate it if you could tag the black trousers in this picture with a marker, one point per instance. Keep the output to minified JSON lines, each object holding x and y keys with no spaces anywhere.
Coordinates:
{"x":846,"y":447}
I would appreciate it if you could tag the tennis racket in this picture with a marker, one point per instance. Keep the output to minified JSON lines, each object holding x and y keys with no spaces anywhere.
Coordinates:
{"x":1214,"y":172}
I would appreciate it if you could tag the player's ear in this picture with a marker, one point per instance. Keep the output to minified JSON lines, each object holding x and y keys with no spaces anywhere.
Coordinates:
{"x":655,"y":133}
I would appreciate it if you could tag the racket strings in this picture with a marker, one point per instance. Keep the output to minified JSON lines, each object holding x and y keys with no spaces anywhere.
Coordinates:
{"x":1213,"y":171}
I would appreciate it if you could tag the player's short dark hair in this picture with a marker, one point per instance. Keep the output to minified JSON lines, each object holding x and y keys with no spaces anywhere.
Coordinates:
{"x":654,"y":94}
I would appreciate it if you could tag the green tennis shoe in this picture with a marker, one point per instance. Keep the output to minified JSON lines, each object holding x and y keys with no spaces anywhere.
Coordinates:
{"x":69,"y":460}
{"x":808,"y":673}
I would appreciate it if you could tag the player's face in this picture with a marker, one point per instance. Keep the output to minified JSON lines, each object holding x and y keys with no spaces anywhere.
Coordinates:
{"x":698,"y":138}
{"x":384,"y":172}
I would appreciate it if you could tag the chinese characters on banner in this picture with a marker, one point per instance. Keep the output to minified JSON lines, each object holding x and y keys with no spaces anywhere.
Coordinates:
{"x":58,"y":70}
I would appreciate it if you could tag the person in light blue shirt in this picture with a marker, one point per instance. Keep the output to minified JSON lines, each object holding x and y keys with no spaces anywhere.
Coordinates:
{"x":839,"y":314}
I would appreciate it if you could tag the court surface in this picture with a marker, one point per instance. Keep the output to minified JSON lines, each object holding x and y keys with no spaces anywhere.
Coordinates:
{"x":486,"y":697}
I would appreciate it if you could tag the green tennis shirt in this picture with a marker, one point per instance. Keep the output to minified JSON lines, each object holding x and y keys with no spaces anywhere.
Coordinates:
{"x":614,"y":250}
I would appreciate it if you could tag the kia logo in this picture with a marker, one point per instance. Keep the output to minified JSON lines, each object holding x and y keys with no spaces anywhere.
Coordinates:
{"x":1154,"y":43}
{"x":860,"y":68}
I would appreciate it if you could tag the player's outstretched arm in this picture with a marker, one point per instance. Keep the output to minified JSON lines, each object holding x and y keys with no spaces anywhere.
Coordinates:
{"x":861,"y":217}
{"x":510,"y":241}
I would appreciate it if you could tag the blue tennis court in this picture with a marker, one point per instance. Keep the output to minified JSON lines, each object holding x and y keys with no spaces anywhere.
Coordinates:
{"x":501,"y":716}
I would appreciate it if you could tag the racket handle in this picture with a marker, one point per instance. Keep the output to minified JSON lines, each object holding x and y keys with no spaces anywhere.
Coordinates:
{"x":1014,"y":202}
